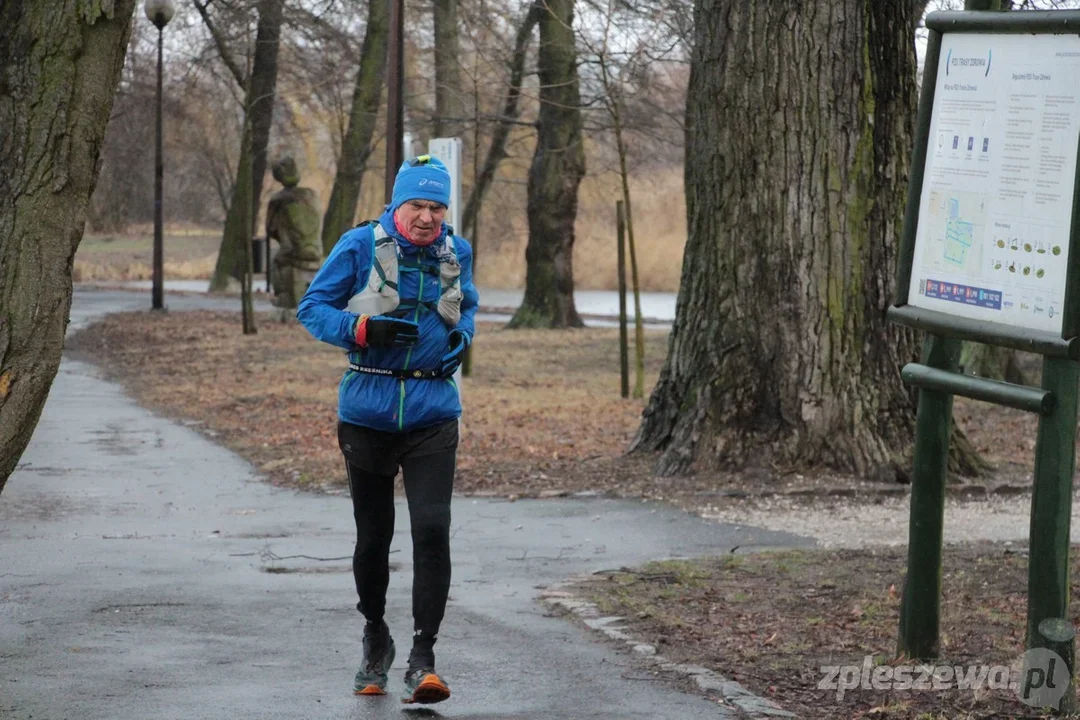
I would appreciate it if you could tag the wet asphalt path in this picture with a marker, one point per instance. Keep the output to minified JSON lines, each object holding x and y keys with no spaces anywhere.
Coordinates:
{"x":148,"y":573}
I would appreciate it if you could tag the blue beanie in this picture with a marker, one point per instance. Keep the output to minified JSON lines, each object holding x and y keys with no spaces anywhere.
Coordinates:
{"x":422,"y":178}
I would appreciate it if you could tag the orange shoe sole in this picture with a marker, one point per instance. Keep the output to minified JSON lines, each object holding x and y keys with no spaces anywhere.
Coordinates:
{"x":430,"y":690}
{"x":371,"y":690}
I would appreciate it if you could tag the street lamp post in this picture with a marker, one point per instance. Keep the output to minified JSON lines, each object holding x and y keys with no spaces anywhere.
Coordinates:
{"x":159,"y":12}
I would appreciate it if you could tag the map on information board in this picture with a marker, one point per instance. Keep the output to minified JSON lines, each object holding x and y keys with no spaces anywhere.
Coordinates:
{"x":995,"y":213}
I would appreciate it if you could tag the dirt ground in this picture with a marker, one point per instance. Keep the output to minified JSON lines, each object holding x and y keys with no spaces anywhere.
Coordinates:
{"x":543,"y":416}
{"x":773,"y":620}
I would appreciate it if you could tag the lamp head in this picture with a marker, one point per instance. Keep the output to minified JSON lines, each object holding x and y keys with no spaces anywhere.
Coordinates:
{"x":159,"y":12}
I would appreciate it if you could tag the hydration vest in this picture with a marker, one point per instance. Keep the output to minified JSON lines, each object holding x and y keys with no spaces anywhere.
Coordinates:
{"x":381,"y":297}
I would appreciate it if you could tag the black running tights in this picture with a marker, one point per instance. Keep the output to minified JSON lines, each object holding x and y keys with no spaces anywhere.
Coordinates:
{"x":429,"y":483}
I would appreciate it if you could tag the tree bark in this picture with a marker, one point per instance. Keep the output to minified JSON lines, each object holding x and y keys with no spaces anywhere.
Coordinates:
{"x":556,"y":172}
{"x":356,"y":146}
{"x":243,"y":220}
{"x":259,"y":99}
{"x":60,"y":65}
{"x":497,"y":149}
{"x":996,"y":363}
{"x":239,"y":73}
{"x":800,"y":121}
{"x":449,"y":102}
{"x":264,"y":71}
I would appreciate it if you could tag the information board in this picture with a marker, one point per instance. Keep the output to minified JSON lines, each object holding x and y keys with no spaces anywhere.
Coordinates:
{"x":992,"y":241}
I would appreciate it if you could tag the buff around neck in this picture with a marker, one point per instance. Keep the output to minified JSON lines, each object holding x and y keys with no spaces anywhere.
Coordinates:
{"x":405,"y":233}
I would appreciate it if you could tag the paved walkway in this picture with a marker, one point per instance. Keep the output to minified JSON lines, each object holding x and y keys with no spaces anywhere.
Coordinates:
{"x":148,"y":573}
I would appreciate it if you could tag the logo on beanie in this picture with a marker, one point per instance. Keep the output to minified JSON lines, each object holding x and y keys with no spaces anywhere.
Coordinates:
{"x":432,"y":183}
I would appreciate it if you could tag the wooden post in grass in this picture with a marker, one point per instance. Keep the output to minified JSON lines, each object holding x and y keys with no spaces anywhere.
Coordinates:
{"x":624,"y":348}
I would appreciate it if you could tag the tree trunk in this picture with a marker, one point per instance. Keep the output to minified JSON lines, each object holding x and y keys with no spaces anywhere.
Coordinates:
{"x":449,"y":103}
{"x":639,"y":321}
{"x":246,"y":208}
{"x":230,"y":260}
{"x":356,"y":146}
{"x":996,"y":363}
{"x":497,"y":150}
{"x":800,"y":120}
{"x":556,"y":172}
{"x":60,"y":65}
{"x":259,"y":99}
{"x":263,"y":88}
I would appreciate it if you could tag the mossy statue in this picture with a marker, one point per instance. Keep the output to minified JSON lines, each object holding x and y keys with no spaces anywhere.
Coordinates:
{"x":292,"y":218}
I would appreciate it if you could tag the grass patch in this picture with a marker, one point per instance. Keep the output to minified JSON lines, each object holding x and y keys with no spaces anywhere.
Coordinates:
{"x":187,"y":256}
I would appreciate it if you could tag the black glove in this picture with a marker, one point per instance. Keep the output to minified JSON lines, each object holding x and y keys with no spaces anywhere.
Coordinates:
{"x":383,"y":331}
{"x":451,"y":361}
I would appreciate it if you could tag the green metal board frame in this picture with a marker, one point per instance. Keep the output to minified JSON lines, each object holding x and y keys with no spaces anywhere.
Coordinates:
{"x":1057,"y":22}
{"x":1057,"y":402}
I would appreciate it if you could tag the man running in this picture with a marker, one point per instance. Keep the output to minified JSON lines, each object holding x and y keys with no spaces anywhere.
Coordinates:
{"x":398,"y":295}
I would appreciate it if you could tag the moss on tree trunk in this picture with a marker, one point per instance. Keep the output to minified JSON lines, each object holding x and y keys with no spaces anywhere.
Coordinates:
{"x":263,"y":91}
{"x":259,"y":101}
{"x":237,"y":232}
{"x":356,"y":146}
{"x":60,"y":63}
{"x":556,"y":172}
{"x":800,"y":121}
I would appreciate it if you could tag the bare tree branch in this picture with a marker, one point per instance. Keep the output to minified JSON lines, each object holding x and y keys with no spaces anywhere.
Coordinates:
{"x":497,"y":149}
{"x":222,"y":47}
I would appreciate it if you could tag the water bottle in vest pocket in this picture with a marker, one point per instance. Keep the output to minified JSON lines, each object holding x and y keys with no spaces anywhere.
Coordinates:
{"x":450,"y":296}
{"x":380,"y":295}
